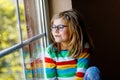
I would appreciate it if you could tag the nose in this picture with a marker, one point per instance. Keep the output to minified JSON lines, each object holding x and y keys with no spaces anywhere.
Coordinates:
{"x":57,"y":30}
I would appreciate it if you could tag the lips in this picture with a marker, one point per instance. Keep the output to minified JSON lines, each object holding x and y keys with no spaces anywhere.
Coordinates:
{"x":57,"y":35}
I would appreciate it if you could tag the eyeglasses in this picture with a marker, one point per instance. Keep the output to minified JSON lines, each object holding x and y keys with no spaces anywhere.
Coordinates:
{"x":58,"y":27}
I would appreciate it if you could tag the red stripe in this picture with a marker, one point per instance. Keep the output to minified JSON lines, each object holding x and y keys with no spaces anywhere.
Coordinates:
{"x":66,"y":62}
{"x":86,"y":50}
{"x":80,"y":74}
{"x":38,"y":61}
{"x":48,"y":60}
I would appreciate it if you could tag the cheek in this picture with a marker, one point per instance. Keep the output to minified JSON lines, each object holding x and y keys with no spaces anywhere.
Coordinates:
{"x":66,"y":34}
{"x":51,"y":35}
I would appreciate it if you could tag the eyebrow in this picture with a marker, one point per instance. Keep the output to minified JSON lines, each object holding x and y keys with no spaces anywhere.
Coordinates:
{"x":59,"y":25}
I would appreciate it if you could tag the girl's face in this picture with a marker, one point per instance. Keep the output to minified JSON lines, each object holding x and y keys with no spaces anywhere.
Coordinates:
{"x":60,"y":31}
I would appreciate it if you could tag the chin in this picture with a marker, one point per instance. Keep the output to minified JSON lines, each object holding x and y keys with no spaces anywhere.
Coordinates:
{"x":58,"y":41}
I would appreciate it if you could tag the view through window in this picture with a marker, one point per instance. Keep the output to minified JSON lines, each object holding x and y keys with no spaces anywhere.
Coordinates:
{"x":22,"y":39}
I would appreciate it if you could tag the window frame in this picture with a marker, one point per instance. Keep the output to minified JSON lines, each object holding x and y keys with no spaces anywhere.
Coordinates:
{"x":43,"y":34}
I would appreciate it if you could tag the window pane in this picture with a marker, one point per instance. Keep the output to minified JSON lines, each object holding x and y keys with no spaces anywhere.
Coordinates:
{"x":33,"y":53}
{"x":8,"y":26}
{"x":11,"y":67}
{"x":33,"y":57}
{"x":9,"y":32}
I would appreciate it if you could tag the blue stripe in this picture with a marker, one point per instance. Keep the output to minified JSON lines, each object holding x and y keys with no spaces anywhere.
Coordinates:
{"x":50,"y":70}
{"x":83,"y":60}
{"x":66,"y":71}
{"x":40,"y":70}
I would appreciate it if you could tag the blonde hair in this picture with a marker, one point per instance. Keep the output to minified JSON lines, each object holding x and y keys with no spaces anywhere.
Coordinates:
{"x":78,"y":34}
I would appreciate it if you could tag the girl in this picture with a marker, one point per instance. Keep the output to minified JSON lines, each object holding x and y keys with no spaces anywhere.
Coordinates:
{"x":67,"y":58}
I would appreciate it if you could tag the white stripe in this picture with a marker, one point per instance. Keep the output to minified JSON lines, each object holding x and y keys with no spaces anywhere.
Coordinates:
{"x":59,"y":59}
{"x":64,"y":59}
{"x":81,"y":70}
{"x":46,"y":54}
{"x":70,"y":78}
{"x":86,"y":45}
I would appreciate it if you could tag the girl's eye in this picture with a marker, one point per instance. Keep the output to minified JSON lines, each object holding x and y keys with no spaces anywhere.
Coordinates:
{"x":61,"y":27}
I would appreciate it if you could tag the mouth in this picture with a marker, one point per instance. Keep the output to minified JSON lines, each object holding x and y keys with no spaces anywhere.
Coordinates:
{"x":57,"y":35}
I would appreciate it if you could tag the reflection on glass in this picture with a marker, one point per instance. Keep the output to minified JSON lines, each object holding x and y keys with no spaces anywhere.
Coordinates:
{"x":33,"y":57}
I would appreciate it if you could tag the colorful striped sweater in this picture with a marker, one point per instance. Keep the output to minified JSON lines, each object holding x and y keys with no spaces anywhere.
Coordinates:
{"x":61,"y":66}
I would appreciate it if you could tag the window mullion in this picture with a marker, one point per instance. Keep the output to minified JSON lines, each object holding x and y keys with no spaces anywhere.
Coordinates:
{"x":20,"y":36}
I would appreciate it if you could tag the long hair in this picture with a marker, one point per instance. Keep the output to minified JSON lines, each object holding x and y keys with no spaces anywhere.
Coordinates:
{"x":78,"y":34}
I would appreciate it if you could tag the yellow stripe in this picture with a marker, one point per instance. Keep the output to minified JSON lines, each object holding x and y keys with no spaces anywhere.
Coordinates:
{"x":50,"y":65}
{"x":78,"y":78}
{"x":66,"y":66}
{"x":39,"y":65}
{"x":84,"y":55}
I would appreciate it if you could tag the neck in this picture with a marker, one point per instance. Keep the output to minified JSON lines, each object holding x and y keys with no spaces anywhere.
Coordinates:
{"x":64,"y":46}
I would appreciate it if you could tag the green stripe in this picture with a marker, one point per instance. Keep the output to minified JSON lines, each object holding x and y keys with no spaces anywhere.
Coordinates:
{"x":53,"y":54}
{"x":51,"y":75}
{"x":50,"y":52}
{"x":82,"y":65}
{"x":63,"y":54}
{"x":66,"y":75}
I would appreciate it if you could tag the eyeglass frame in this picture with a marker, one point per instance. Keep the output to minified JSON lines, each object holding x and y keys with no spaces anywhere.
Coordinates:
{"x":57,"y":27}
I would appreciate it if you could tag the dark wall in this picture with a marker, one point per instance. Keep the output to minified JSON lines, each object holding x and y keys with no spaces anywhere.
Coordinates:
{"x":102,"y":18}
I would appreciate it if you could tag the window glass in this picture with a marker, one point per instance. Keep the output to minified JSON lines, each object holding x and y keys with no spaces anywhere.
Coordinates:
{"x":11,"y":67}
{"x":8,"y":24}
{"x":33,"y":53}
{"x":9,"y":31}
{"x":34,"y":62}
{"x":20,"y":22}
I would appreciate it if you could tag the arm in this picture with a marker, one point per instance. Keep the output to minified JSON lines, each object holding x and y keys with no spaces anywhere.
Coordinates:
{"x":50,"y":66}
{"x":82,"y":64}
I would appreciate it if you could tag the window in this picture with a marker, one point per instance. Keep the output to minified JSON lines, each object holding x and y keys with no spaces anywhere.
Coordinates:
{"x":23,"y":26}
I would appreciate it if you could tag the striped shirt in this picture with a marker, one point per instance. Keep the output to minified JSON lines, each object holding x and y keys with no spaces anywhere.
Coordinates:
{"x":61,"y":66}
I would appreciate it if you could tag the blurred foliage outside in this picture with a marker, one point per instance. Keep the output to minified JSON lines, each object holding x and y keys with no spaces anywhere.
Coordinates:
{"x":10,"y":65}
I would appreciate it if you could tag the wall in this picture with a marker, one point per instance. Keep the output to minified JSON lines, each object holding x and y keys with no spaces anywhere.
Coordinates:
{"x":102,"y":18}
{"x":56,"y":6}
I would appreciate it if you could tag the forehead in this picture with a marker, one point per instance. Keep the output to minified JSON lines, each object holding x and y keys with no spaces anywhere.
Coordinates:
{"x":59,"y":21}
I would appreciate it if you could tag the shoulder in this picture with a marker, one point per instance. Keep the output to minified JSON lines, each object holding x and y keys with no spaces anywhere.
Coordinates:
{"x":51,"y":51}
{"x":85,"y":53}
{"x":87,"y":47}
{"x":50,"y":48}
